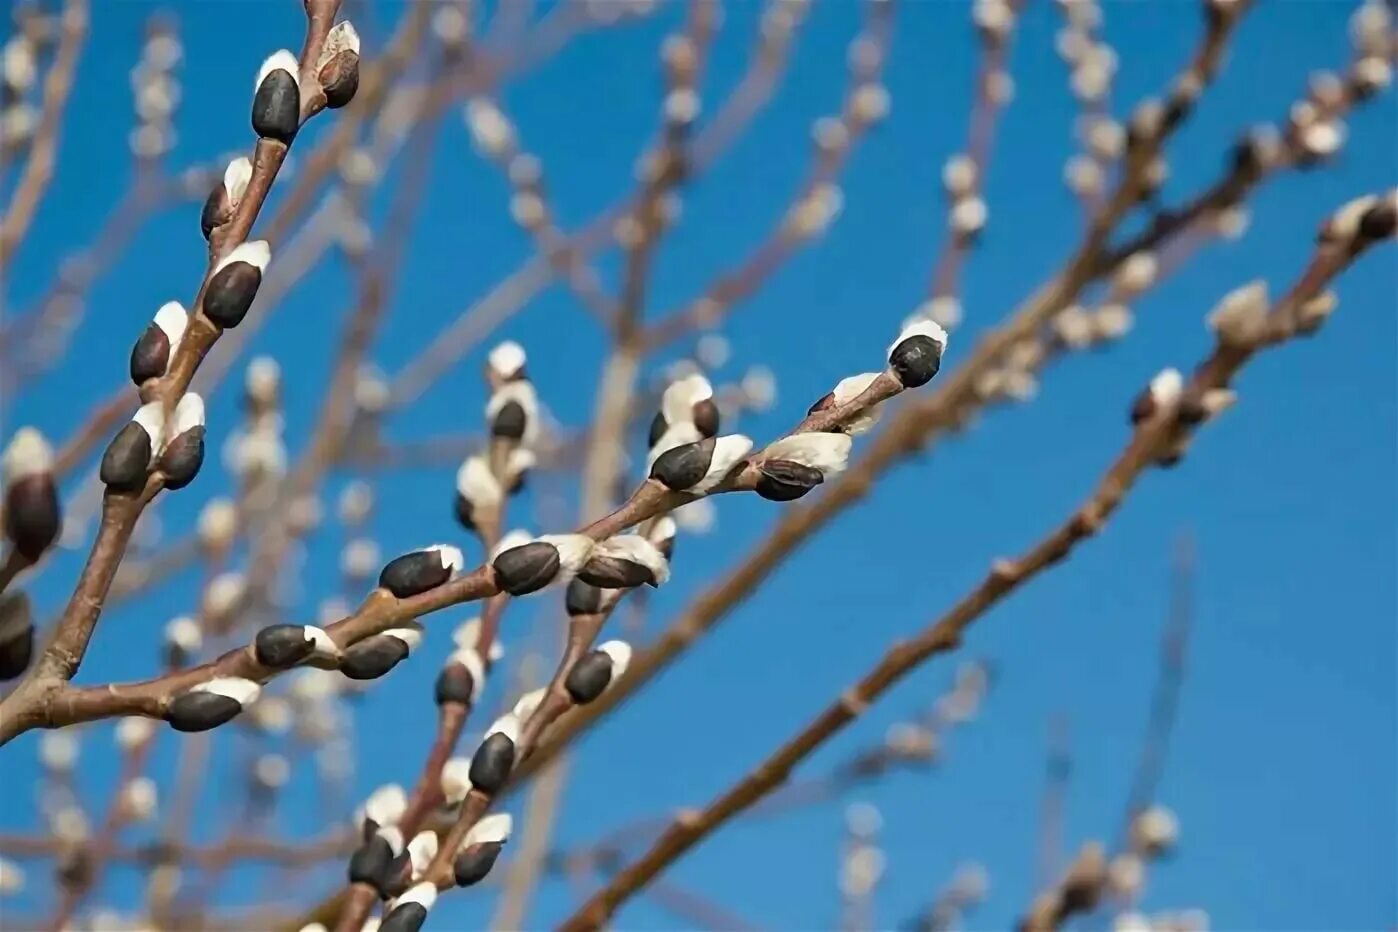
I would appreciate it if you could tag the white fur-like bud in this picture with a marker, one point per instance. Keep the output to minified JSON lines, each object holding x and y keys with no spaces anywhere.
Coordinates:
{"x":827,"y":452}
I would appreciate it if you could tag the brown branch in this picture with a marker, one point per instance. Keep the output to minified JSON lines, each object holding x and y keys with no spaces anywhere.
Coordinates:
{"x":43,"y":151}
{"x":60,"y":660}
{"x":909,"y":431}
{"x":1165,"y":697}
{"x":1160,"y":437}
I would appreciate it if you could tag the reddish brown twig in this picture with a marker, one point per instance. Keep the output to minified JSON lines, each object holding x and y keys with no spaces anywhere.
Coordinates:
{"x":43,"y":150}
{"x":1161,"y":436}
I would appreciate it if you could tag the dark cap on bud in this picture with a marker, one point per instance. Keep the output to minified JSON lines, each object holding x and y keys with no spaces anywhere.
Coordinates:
{"x":32,"y":514}
{"x":916,"y":355}
{"x":684,"y":466}
{"x":493,"y":760}
{"x":284,"y":646}
{"x":234,"y":284}
{"x":591,"y":675}
{"x":510,"y":421}
{"x":151,"y":355}
{"x":276,"y":107}
{"x":210,"y":704}
{"x":371,"y":862}
{"x":456,"y":684}
{"x":1381,"y":220}
{"x":128,"y":457}
{"x":223,"y":199}
{"x":421,"y":570}
{"x":410,"y":910}
{"x":527,"y":568}
{"x":784,"y":481}
{"x":183,"y":455}
{"x":339,"y":65}
{"x":623,"y":562}
{"x":16,"y":635}
{"x":480,"y":848}
{"x":375,"y":655}
{"x":473,"y":864}
{"x":582,"y":598}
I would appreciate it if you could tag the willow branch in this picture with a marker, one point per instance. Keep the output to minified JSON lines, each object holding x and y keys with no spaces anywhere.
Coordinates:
{"x":43,"y":151}
{"x":1161,"y":436}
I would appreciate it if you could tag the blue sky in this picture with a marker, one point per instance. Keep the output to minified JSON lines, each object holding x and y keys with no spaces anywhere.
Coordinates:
{"x":1283,"y":767}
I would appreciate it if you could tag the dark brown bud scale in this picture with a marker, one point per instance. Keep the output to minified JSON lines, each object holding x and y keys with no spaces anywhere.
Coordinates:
{"x":706,"y":417}
{"x":340,"y":79}
{"x":615,"y":573}
{"x":282,"y":646}
{"x":684,"y":466}
{"x":510,"y":421}
{"x":182,"y":458}
{"x":492,"y":762}
{"x":465,"y":512}
{"x":1379,"y":221}
{"x":473,"y":864}
{"x":413,"y":573}
{"x":1143,"y":407}
{"x":217,"y":211}
{"x":372,"y":657}
{"x":127,"y":459}
{"x":589,"y":677}
{"x":32,"y":515}
{"x":658,"y":426}
{"x":582,"y":599}
{"x":276,"y":108}
{"x":150,"y":356}
{"x":16,"y":635}
{"x":200,"y":711}
{"x":231,"y":292}
{"x":784,"y":480}
{"x":370,"y":862}
{"x":527,"y":568}
{"x":916,"y":360}
{"x":408,"y":917}
{"x":454,"y":684}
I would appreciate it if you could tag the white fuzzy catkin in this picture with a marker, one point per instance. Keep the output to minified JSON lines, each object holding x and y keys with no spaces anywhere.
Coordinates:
{"x":235,"y":179}
{"x":256,"y":253}
{"x":240,"y":690}
{"x":507,"y":725}
{"x":386,"y":805}
{"x":918,"y":325}
{"x":456,"y":781}
{"x":173,"y":320}
{"x":451,"y":557}
{"x":620,"y":652}
{"x":728,"y":450}
{"x":27,"y":454}
{"x":511,"y":540}
{"x":680,"y":397}
{"x":493,"y":828}
{"x":282,"y":59}
{"x":634,"y":548}
{"x":848,"y":389}
{"x":506,"y":359}
{"x":477,"y":484}
{"x":827,"y":452}
{"x":189,"y":414}
{"x":574,"y":550}
{"x":1166,"y":387}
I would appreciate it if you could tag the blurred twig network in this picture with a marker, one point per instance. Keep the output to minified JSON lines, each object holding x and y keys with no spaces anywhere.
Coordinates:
{"x":243,"y":768}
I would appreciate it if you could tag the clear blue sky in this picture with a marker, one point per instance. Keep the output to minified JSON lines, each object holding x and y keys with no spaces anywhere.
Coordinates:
{"x":1283,"y":768}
